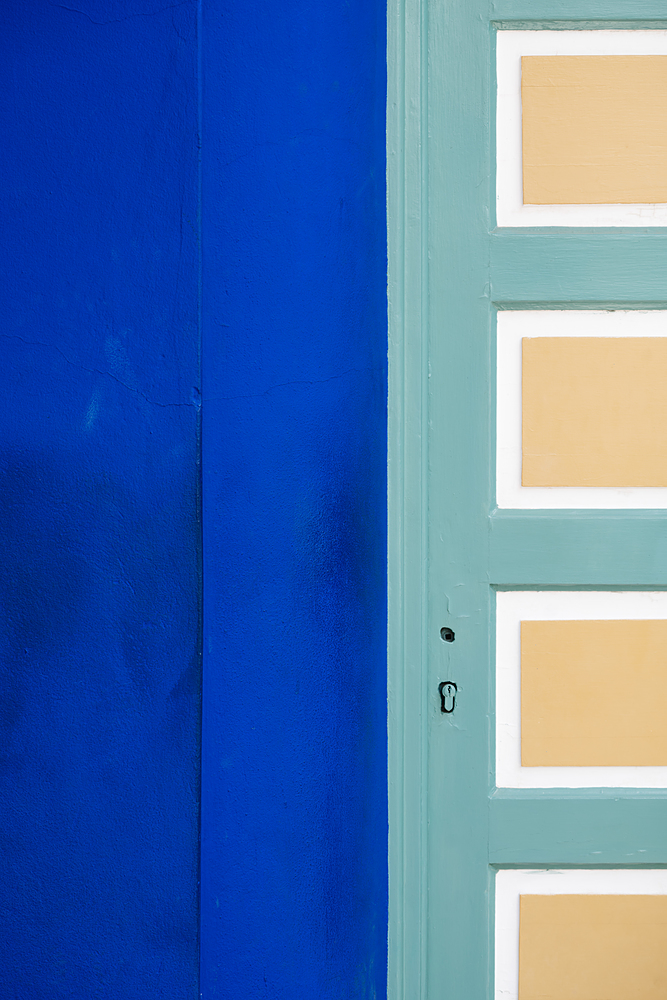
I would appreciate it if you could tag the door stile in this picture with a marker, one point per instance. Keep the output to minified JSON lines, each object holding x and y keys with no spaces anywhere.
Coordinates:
{"x":461,"y":457}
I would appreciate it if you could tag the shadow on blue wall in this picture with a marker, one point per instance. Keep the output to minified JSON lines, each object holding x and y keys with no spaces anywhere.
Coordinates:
{"x":99,"y":575}
{"x":294,"y":817}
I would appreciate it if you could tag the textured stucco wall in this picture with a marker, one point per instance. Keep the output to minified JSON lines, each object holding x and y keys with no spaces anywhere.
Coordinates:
{"x":100,"y":573}
{"x":99,"y":664}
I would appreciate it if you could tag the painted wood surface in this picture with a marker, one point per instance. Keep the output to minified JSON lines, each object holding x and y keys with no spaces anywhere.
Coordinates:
{"x":594,"y":411}
{"x":619,"y":914}
{"x":527,"y":128}
{"x":555,"y":699}
{"x":580,"y":548}
{"x":593,"y":693}
{"x":593,"y":129}
{"x":582,"y":947}
{"x":570,"y":426}
{"x":613,"y":827}
{"x":542,"y":268}
{"x":450,"y":270}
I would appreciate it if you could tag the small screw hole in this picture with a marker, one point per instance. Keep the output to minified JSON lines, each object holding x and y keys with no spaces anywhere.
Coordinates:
{"x":447,"y":634}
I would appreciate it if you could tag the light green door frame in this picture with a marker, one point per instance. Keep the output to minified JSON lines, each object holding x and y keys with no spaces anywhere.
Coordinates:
{"x":449,"y":271}
{"x":424,"y":938}
{"x":408,"y":694}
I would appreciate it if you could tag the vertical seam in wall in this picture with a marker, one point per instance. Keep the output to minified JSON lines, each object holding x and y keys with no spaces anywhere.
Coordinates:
{"x":200,"y":558}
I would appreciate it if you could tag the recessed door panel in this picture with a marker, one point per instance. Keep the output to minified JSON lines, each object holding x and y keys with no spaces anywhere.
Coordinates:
{"x":581,"y":408}
{"x":594,"y":129}
{"x":581,"y":684}
{"x":580,"y":135}
{"x":594,"y":411}
{"x":593,"y":693}
{"x":579,"y":947}
{"x":581,"y":934}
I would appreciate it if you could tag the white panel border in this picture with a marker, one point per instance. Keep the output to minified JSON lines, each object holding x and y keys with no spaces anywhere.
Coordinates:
{"x":513,"y":326}
{"x":511,"y":884}
{"x":510,"y":46}
{"x":515,"y":606}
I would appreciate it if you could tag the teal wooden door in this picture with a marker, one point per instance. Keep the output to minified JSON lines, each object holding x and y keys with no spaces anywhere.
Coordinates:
{"x":528,"y":502}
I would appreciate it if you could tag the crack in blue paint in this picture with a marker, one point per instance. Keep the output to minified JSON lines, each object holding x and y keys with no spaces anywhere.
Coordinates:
{"x":119,"y":20}
{"x":94,"y":371}
{"x":297,"y":381}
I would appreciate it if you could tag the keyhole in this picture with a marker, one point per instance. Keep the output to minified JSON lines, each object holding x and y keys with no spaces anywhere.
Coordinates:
{"x":447,"y":691}
{"x":447,"y":634}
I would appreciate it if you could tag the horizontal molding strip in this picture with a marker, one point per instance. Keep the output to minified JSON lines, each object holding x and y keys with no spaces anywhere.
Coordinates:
{"x":605,"y":269}
{"x":602,"y":12}
{"x":578,"y":548}
{"x":542,"y":829}
{"x":545,"y":24}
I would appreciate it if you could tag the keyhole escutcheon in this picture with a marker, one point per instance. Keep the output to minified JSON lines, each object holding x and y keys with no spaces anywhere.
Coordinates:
{"x":447,"y":691}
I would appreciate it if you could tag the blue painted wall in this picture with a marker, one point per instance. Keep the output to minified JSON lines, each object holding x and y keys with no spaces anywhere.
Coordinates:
{"x":294,"y":824}
{"x":100,"y":572}
{"x":99,"y":616}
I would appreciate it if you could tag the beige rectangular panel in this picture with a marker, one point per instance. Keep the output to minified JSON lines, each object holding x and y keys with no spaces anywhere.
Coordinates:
{"x":593,"y":948}
{"x":594,"y":129}
{"x":594,"y":411}
{"x":593,"y":693}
